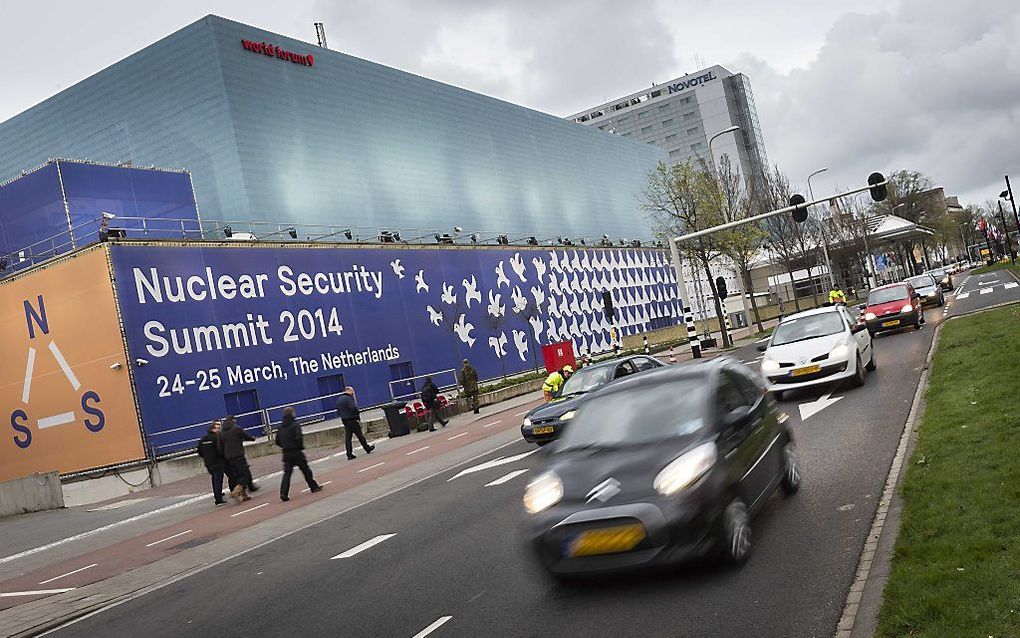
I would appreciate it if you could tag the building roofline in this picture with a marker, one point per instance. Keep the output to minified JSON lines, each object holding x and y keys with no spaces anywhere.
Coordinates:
{"x":654,"y":87}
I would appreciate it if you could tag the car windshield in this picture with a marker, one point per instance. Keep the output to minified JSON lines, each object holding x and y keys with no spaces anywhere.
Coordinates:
{"x":642,"y":415}
{"x":809,"y":327}
{"x":921,"y":281}
{"x":885,"y":295}
{"x":586,"y":380}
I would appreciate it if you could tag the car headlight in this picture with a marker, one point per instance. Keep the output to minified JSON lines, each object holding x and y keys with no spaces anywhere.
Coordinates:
{"x":685,"y":470}
{"x":527,"y":421}
{"x":870,"y":316}
{"x":907,"y":308}
{"x":839,"y":352}
{"x":566,"y":416}
{"x":543,"y":492}
{"x":768,"y":365}
{"x":945,"y":280}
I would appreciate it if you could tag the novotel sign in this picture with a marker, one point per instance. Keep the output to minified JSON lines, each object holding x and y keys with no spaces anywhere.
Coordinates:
{"x":272,"y":50}
{"x":691,"y":83}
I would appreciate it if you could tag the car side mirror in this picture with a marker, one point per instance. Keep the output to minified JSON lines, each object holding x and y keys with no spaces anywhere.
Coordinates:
{"x":736,"y":418}
{"x":762,"y":347}
{"x":857,"y":327}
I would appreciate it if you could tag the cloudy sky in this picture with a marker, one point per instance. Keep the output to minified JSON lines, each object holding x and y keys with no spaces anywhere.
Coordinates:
{"x":930,"y":85}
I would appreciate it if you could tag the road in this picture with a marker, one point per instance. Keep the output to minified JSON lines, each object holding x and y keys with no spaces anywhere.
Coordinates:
{"x":445,"y":556}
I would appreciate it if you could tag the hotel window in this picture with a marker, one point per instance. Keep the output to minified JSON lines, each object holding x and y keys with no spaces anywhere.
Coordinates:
{"x":667,"y":122}
{"x":692,"y":131}
{"x":670,"y":138}
{"x":697,"y":147}
{"x":646,"y":129}
{"x":675,"y":153}
{"x":689,"y":115}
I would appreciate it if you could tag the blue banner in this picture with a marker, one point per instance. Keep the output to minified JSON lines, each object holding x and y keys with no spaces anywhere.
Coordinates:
{"x":214,"y":330}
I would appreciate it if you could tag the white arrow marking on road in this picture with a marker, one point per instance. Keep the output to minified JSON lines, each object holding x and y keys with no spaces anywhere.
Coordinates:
{"x":1011,"y":284}
{"x":491,"y":464}
{"x":506,"y":479}
{"x":357,"y":549}
{"x":68,"y":573}
{"x":41,"y":592}
{"x":985,"y":291}
{"x":962,"y":295}
{"x":808,"y":410}
{"x":434,"y":626}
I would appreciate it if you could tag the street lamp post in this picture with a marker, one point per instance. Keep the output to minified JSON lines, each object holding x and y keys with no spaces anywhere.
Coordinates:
{"x":825,"y":239}
{"x":1005,"y":231}
{"x":1008,"y":194}
{"x":711,"y":155}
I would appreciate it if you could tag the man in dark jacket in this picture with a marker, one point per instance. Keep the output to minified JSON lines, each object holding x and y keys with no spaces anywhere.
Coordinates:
{"x":469,"y":381}
{"x":347,"y":410}
{"x":215,"y":464}
{"x":430,"y":398}
{"x":231,"y":445}
{"x":290,"y":438}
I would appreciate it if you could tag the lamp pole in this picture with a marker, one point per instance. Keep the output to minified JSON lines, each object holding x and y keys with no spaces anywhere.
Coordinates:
{"x":825,"y":239}
{"x":1005,"y":230}
{"x":711,"y":155}
{"x":1008,"y":193}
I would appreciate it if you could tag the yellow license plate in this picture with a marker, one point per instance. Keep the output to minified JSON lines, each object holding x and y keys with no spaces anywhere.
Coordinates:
{"x":609,"y":540}
{"x":545,"y":429}
{"x":887,"y":324}
{"x":797,"y":372}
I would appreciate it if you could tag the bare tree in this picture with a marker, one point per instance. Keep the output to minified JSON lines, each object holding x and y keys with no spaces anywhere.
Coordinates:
{"x":782,"y":233}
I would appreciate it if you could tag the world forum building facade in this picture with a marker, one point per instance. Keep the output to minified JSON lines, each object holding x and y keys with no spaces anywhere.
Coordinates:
{"x":276,"y":129}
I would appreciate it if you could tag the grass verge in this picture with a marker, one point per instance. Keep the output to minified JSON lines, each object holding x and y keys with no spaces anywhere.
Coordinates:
{"x":999,"y":265}
{"x":956,"y":563}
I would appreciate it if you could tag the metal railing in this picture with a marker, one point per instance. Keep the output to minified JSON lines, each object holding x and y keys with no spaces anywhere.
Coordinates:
{"x":415,"y":392}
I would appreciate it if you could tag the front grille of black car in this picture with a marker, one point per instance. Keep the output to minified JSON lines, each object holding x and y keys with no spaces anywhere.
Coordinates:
{"x":821,"y":374}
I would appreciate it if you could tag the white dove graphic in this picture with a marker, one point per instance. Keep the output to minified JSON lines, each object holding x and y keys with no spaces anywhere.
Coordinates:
{"x":398,"y":270}
{"x":538,"y":294}
{"x":463,"y":331}
{"x":419,"y":281}
{"x":471,"y":291}
{"x":500,"y":277}
{"x":520,"y":301}
{"x":496,"y":309}
{"x":498,"y":345}
{"x":518,"y":265}
{"x":536,"y":327}
{"x":521,"y":341}
{"x":435,"y":316}
{"x":539,"y":267}
{"x":448,"y":297}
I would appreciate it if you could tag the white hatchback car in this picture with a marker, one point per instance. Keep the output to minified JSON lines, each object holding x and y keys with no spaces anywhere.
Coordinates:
{"x":822,"y":345}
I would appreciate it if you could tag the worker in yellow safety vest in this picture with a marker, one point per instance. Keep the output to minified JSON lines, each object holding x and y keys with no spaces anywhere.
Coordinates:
{"x":554,"y":382}
{"x":837,"y":296}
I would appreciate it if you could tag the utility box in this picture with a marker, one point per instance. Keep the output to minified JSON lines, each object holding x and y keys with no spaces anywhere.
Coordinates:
{"x":557,"y":355}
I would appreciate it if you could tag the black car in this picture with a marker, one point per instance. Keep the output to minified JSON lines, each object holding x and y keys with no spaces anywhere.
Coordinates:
{"x":660,"y":468}
{"x":546,"y":422}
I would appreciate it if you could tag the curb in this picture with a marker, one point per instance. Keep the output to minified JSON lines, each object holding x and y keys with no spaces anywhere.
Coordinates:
{"x":867,"y":590}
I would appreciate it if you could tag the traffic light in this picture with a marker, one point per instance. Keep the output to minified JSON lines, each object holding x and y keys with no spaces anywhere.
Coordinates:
{"x":720,"y":288}
{"x":607,"y":304}
{"x":799,"y":214}
{"x":878,"y":193}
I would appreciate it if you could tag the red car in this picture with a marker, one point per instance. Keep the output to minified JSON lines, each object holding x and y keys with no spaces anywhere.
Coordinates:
{"x":892,"y":307}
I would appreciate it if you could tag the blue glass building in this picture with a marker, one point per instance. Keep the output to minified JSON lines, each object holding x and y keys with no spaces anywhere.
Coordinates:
{"x":283,"y":131}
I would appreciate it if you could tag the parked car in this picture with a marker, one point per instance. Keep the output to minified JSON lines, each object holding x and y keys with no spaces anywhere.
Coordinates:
{"x":944,"y":277}
{"x":892,"y":307}
{"x":658,"y":468}
{"x":823,"y":345}
{"x":546,"y":422}
{"x":929,"y":290}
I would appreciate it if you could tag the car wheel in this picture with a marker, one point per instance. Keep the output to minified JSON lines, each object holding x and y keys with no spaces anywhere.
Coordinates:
{"x":858,"y":378}
{"x":791,"y":471}
{"x":735,"y":542}
{"x":871,"y":364}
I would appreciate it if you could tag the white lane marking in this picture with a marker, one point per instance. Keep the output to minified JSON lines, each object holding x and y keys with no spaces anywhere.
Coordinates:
{"x":1011,"y":284}
{"x":163,"y":540}
{"x":809,"y":409}
{"x":357,"y":549}
{"x":421,"y":449}
{"x":434,"y":626}
{"x":68,"y":574}
{"x":119,"y":504}
{"x":489,"y":425}
{"x":68,"y":372}
{"x":962,"y":295}
{"x":522,"y":413}
{"x":506,"y":479}
{"x":41,"y":592}
{"x":490,"y":464}
{"x":250,"y":509}
{"x":26,"y":390}
{"x":365,"y":469}
{"x":985,"y":291}
{"x":56,"y":419}
{"x":457,"y":436}
{"x":323,"y":484}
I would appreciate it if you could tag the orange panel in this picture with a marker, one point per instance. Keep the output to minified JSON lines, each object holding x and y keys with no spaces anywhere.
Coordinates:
{"x":64,"y":407}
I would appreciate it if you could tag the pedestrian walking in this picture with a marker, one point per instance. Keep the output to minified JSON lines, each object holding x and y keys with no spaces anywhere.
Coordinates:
{"x":215,"y":463}
{"x":469,"y":381}
{"x":290,"y":438}
{"x":231,"y":446}
{"x":350,"y":415}
{"x":430,"y":397}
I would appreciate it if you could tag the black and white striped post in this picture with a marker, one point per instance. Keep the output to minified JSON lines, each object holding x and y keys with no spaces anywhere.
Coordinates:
{"x":644,"y":338}
{"x":688,"y":318}
{"x":692,"y":333}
